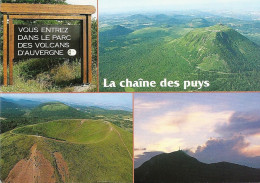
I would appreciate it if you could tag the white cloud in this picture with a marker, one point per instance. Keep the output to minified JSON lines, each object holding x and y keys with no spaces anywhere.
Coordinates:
{"x":168,"y":130}
{"x":144,"y":105}
{"x":254,"y":148}
{"x":166,"y":145}
{"x":190,"y":120}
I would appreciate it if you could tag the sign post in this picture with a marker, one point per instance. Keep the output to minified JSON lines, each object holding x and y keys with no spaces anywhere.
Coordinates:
{"x":45,"y":41}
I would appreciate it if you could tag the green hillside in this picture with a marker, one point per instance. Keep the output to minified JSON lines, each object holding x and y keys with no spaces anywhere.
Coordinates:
{"x":11,"y":114}
{"x":219,"y":48}
{"x":10,"y":109}
{"x":116,"y":30}
{"x":90,"y":151}
{"x":18,"y":114}
{"x":66,"y":131}
{"x":199,"y":22}
{"x":121,"y":118}
{"x":180,"y":167}
{"x":218,"y":54}
{"x":55,"y":110}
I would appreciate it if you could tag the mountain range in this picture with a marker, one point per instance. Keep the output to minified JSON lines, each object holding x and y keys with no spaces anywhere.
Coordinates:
{"x":202,"y":48}
{"x":16,"y":113}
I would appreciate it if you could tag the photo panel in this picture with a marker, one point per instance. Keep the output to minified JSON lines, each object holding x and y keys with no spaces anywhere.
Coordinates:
{"x":49,"y":46}
{"x":174,"y":45}
{"x":196,"y":137}
{"x":66,"y":138}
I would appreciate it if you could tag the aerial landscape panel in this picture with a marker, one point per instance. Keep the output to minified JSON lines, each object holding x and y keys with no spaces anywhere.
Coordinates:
{"x":66,"y":138}
{"x":198,"y":45}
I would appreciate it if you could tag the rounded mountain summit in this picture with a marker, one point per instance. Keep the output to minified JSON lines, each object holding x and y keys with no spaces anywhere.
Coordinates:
{"x":67,"y":150}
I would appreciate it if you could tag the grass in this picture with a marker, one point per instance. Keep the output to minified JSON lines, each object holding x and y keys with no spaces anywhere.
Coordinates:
{"x":128,"y":89}
{"x":84,"y":132}
{"x":90,"y":158}
{"x":39,"y":75}
{"x":55,"y":107}
{"x":13,"y":149}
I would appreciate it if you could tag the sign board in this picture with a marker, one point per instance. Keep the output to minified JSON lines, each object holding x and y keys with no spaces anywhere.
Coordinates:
{"x":43,"y":41}
{"x":47,"y":41}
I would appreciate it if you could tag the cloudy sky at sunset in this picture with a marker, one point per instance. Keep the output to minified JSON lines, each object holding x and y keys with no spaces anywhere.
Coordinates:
{"x":212,"y":127}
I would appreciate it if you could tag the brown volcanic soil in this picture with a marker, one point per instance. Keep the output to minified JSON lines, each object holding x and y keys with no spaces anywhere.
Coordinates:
{"x":62,"y":166}
{"x":35,"y":169}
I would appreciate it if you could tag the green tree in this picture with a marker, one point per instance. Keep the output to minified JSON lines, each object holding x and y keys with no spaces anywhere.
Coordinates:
{"x":94,"y":42}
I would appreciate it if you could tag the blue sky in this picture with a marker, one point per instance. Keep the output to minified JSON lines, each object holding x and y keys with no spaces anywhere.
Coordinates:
{"x":119,"y":6}
{"x":203,"y":123}
{"x":101,"y":99}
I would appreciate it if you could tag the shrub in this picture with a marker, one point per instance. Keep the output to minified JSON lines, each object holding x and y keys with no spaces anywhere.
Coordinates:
{"x":64,"y":74}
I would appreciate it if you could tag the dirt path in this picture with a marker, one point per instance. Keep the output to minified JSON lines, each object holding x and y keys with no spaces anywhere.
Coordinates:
{"x":64,"y":141}
{"x":86,"y":88}
{"x":218,"y":72}
{"x":79,"y":125}
{"x":35,"y":169}
{"x":82,"y":121}
{"x":130,"y":155}
{"x":181,"y":56}
{"x":38,"y":136}
{"x":62,"y":166}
